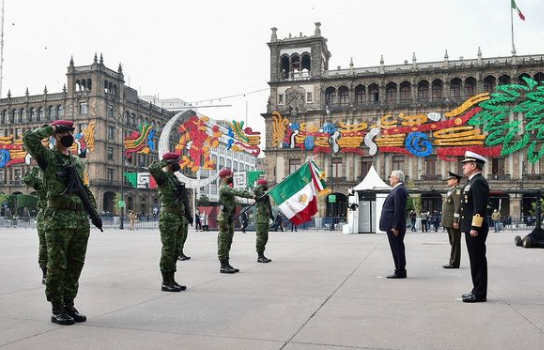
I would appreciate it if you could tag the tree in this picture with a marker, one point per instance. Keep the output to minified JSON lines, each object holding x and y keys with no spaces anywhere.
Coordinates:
{"x":203,"y":200}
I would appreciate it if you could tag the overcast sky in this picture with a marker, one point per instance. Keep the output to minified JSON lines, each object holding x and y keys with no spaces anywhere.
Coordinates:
{"x":204,"y":50}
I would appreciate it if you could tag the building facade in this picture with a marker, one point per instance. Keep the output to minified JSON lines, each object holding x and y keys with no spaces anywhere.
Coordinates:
{"x":418,"y":117}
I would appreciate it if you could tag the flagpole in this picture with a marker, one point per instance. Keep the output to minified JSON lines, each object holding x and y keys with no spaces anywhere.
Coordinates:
{"x":512,"y":26}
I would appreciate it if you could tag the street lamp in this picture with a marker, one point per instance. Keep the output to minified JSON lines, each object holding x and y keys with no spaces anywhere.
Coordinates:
{"x":121,"y":214}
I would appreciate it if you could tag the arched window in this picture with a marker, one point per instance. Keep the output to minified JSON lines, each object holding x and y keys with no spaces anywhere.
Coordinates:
{"x":32,"y":116}
{"x":295,"y":63}
{"x":40,"y":115}
{"x":3,"y":119}
{"x":374,"y":93}
{"x":423,"y":91}
{"x":437,"y":89}
{"x":306,"y":62}
{"x":470,"y":87}
{"x":489,"y":83}
{"x":284,"y":66}
{"x":455,"y":89}
{"x":89,"y":84}
{"x":51,"y":113}
{"x":539,"y":77}
{"x":343,"y":95}
{"x":360,"y":94}
{"x":391,"y":92}
{"x":405,"y":92}
{"x":521,"y":76}
{"x":504,"y":79}
{"x":330,"y":96}
{"x":60,"y":112}
{"x":14,"y":115}
{"x":22,"y":116}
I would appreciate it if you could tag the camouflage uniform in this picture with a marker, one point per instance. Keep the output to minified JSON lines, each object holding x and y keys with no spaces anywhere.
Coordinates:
{"x":66,"y":223}
{"x":225,"y":219}
{"x":186,"y":220}
{"x":31,"y":179}
{"x":171,"y":217}
{"x":262,"y":221}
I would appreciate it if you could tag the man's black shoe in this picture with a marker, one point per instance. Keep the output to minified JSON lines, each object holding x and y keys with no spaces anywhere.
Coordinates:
{"x":169,"y":287}
{"x":61,"y":317}
{"x":471,"y":298}
{"x":184,"y":257}
{"x":72,"y":311}
{"x":227,"y":269}
{"x":396,"y":276}
{"x":450,"y":267}
{"x":262,"y":259}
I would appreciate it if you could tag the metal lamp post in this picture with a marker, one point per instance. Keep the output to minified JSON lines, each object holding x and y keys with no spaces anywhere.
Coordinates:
{"x":122,"y":213}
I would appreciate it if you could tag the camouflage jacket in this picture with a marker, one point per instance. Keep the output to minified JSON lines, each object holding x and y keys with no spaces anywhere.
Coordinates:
{"x":263,"y":212}
{"x":172,"y":192}
{"x":226,"y":198}
{"x":54,"y":165}
{"x":31,"y":179}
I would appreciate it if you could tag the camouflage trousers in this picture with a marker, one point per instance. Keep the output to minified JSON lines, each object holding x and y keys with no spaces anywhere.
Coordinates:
{"x":42,"y":246}
{"x":67,"y":235}
{"x":171,"y":228}
{"x":262,"y":236}
{"x":225,"y":236}
{"x":184,"y":232}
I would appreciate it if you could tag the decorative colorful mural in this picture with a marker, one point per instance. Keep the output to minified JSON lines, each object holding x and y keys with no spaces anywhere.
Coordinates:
{"x":199,"y":138}
{"x":486,"y":124}
{"x":141,"y":141}
{"x":12,"y":151}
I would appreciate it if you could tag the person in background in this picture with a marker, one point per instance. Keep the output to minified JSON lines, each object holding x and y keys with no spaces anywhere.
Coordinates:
{"x":33,"y":180}
{"x":279,"y":223}
{"x":198,"y":224}
{"x":413,"y":218}
{"x":424,"y":219}
{"x":204,"y":220}
{"x":132,"y":218}
{"x":496,"y":217}
{"x":263,"y":215}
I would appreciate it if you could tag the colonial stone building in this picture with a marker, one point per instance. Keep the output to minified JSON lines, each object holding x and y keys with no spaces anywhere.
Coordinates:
{"x":96,"y":97}
{"x":352,"y":118}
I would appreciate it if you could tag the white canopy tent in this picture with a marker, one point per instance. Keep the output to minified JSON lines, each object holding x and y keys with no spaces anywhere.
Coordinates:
{"x":367,"y":215}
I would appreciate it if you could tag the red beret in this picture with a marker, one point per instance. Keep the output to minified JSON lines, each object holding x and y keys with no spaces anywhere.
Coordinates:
{"x":170,"y":156}
{"x":65,"y":123}
{"x":225,"y":172}
{"x":262,"y":182}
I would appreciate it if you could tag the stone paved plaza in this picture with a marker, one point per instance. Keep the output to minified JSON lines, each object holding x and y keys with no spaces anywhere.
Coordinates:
{"x":323,"y":291}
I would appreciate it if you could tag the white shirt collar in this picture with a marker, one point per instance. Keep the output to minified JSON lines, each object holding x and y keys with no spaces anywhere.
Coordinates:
{"x":471,"y":176}
{"x":397,"y":185}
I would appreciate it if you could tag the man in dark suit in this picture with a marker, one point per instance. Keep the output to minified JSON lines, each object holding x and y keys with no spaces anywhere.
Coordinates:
{"x":393,"y":221}
{"x":451,"y":209}
{"x":474,"y":198}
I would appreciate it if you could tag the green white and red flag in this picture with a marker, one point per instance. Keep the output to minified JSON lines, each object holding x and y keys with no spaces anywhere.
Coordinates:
{"x":296,"y":196}
{"x":515,"y":7}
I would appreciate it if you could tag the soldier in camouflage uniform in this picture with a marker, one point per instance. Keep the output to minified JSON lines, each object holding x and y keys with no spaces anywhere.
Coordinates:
{"x":170,"y":218}
{"x":187,"y":220}
{"x":262,"y":221}
{"x":225,"y":219}
{"x":66,"y":223}
{"x":33,"y":180}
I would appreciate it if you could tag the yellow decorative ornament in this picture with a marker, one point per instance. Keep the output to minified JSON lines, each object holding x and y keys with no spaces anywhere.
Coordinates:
{"x":280,"y":128}
{"x":467,"y":104}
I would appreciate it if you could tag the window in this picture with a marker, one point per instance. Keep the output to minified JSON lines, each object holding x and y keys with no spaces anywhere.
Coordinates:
{"x":41,"y":115}
{"x":60,"y":112}
{"x":497,"y":166}
{"x":455,"y":90}
{"x":343,"y":93}
{"x":391,"y":92}
{"x":111,"y":132}
{"x":330,"y":96}
{"x":309,"y":97}
{"x":437,"y":90}
{"x":280,"y":99}
{"x":430,"y":166}
{"x":32,"y":115}
{"x":405,"y":92}
{"x":374,"y":93}
{"x":398,"y":163}
{"x":294,"y":164}
{"x":2,"y":176}
{"x":17,"y":176}
{"x":336,"y":167}
{"x":360,"y":94}
{"x":52,"y":112}
{"x":109,"y":111}
{"x":470,"y":87}
{"x":489,"y":84}
{"x":366,"y":163}
{"x":82,"y":127}
{"x":83,"y":108}
{"x":110,"y":153}
{"x":109,"y":175}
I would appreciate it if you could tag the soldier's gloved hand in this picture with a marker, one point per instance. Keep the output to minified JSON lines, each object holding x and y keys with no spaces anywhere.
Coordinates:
{"x":59,"y":129}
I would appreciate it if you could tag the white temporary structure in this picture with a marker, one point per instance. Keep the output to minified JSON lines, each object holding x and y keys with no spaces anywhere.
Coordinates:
{"x":367,"y":215}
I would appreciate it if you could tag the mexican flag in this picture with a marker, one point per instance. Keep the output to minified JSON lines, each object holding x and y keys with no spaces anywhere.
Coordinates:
{"x":296,"y":196}
{"x":515,"y":7}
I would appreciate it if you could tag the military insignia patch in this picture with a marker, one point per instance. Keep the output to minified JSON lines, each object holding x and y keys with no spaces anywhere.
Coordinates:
{"x":467,"y":188}
{"x":458,"y":191}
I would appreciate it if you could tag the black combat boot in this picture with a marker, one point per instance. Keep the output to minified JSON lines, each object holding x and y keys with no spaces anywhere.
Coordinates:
{"x":225,"y":267}
{"x":167,"y":285}
{"x":44,"y":275}
{"x":72,"y":311}
{"x":234,"y":268}
{"x":263,"y":259}
{"x":60,"y":316}
{"x":183,"y":257}
{"x":173,"y":280}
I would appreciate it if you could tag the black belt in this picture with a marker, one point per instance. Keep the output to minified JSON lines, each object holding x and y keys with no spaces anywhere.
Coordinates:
{"x":64,"y":205}
{"x":172,"y":211}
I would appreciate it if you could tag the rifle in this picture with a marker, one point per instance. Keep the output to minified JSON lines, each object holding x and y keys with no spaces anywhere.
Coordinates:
{"x":76,"y":186}
{"x":249,"y":206}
